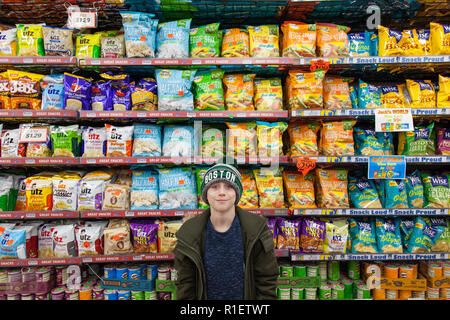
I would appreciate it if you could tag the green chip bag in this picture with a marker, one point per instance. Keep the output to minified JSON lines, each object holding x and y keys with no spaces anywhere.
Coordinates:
{"x":208,"y":90}
{"x":213,"y":142}
{"x":30,"y":40}
{"x":420,"y":142}
{"x":436,"y":190}
{"x":66,"y":141}
{"x":204,"y":42}
{"x":6,"y":183}
{"x":200,"y":174}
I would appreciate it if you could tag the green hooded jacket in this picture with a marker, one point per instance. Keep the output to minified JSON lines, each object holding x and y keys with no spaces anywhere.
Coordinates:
{"x":261,"y":267}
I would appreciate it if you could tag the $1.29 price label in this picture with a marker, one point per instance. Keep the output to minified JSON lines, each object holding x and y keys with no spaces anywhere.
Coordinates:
{"x":33,"y":134}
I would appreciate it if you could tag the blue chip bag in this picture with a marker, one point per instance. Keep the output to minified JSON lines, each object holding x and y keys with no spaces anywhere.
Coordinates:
{"x":52,"y":92}
{"x":363,"y":193}
{"x":395,"y":194}
{"x":178,"y":141}
{"x":172,"y":39}
{"x":140,"y":34}
{"x":174,"y":89}
{"x":12,"y":243}
{"x":388,"y":145}
{"x":362,"y":232}
{"x":388,"y":235}
{"x":369,"y":96}
{"x":360,"y":44}
{"x":406,"y":228}
{"x":353,"y":89}
{"x":147,"y":140}
{"x":177,"y":188}
{"x":414,"y":190}
{"x":373,"y":44}
{"x":144,"y":190}
{"x":368,"y":142}
{"x":379,"y":185}
{"x":424,"y":235}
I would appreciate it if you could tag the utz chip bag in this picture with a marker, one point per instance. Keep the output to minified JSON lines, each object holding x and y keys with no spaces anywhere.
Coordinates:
{"x":116,"y":197}
{"x":414,"y":190}
{"x":24,"y":90}
{"x":36,"y":149}
{"x":270,"y":134}
{"x":89,"y":239}
{"x":312,"y":235}
{"x":288,"y":235}
{"x":5,"y":98}
{"x":264,"y":41}
{"x":250,"y":197}
{"x":121,"y":98}
{"x":272,"y":223}
{"x":424,"y":235}
{"x":331,"y":188}
{"x":388,"y":42}
{"x":213,"y":141}
{"x":420,"y":142}
{"x":30,"y":40}
{"x":395,"y":195}
{"x":144,"y":235}
{"x":436,"y":190}
{"x":305,"y":90}
{"x":144,"y":95}
{"x":87,"y":46}
{"x":10,"y":146}
{"x":299,"y":189}
{"x":77,"y":92}
{"x":8,"y":42}
{"x":388,"y":235}
{"x":336,"y":93}
{"x":12,"y":243}
{"x":167,"y":238}
{"x":332,"y":40}
{"x":64,"y":244}
{"x":443,"y":141}
{"x":65,"y":141}
{"x":65,"y":191}
{"x":443,"y":94}
{"x":362,"y":232}
{"x":208,"y":90}
{"x":117,"y":237}
{"x":39,"y":192}
{"x":337,"y":138}
{"x":440,"y":38}
{"x":242,"y":139}
{"x":299,"y":39}
{"x":101,"y":97}
{"x":336,"y":235}
{"x":270,"y":188}
{"x":200,"y":175}
{"x":303,"y":138}
{"x":239,"y":91}
{"x":204,"y":41}
{"x":268,"y":94}
{"x":369,"y":96}
{"x":93,"y":143}
{"x":52,"y":92}
{"x":393,"y":96}
{"x":235,"y":43}
{"x":422,"y":93}
{"x":119,"y":141}
{"x":112,"y":45}
{"x":363,"y":193}
{"x":58,"y":41}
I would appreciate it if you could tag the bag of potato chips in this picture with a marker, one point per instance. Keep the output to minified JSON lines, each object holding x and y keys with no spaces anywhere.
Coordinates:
{"x":39,"y":192}
{"x":5,"y":99}
{"x":331,"y":188}
{"x":443,"y":95}
{"x":337,"y":138}
{"x":270,"y":188}
{"x":362,"y":232}
{"x":420,"y":142}
{"x":395,"y":194}
{"x":388,"y":42}
{"x":388,"y":235}
{"x":414,"y":190}
{"x":250,"y":198}
{"x":303,"y":138}
{"x":363,"y":193}
{"x":440,"y":38}
{"x":436,"y":190}
{"x":393,"y":96}
{"x":299,"y":189}
{"x":88,"y":45}
{"x":30,"y":40}
{"x":422,"y":93}
{"x":409,"y":43}
{"x":8,"y":42}
{"x":25,"y":90}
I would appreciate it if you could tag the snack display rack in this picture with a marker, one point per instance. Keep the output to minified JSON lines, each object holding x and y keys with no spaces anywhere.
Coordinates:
{"x":394,"y":13}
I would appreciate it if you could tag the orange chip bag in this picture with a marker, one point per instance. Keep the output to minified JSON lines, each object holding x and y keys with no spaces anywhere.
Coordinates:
{"x":24,"y":88}
{"x":39,"y":192}
{"x":249,"y":197}
{"x":299,"y":39}
{"x":336,"y":93}
{"x":305,"y":90}
{"x":332,"y":40}
{"x":242,"y":139}
{"x":4,"y":91}
{"x":239,"y":91}
{"x":235,"y":43}
{"x":337,"y":138}
{"x":299,"y":189}
{"x":303,"y":138}
{"x":119,"y":141}
{"x":331,"y":188}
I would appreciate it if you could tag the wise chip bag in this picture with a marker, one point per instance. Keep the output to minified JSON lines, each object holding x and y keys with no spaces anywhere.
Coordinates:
{"x":242,"y":139}
{"x":268,"y":94}
{"x":30,"y":40}
{"x":369,"y":96}
{"x":393,"y":96}
{"x":204,"y":41}
{"x":270,"y":134}
{"x":394,"y":194}
{"x":331,"y":188}
{"x":239,"y":91}
{"x":440,"y":38}
{"x":443,"y":95}
{"x":235,"y":43}
{"x":436,"y":190}
{"x":363,"y":193}
{"x":305,"y":90}
{"x":362,"y":232}
{"x":299,"y":189}
{"x":88,"y":45}
{"x":388,"y":42}
{"x":299,"y":39}
{"x":332,"y":40}
{"x":443,"y":141}
{"x":250,"y":197}
{"x":409,"y":43}
{"x":208,"y":90}
{"x":371,"y":143}
{"x":424,"y":235}
{"x":303,"y":138}
{"x":442,"y":244}
{"x":264,"y":41}
{"x":361,"y":44}
{"x":388,"y":235}
{"x":422,"y":93}
{"x":336,"y":93}
{"x":39,"y":192}
{"x":420,"y":142}
{"x":414,"y":190}
{"x":270,"y":188}
{"x":24,"y":90}
{"x":337,"y":138}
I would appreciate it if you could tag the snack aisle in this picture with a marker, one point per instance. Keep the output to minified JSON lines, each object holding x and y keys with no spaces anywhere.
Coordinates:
{"x":106,"y":131}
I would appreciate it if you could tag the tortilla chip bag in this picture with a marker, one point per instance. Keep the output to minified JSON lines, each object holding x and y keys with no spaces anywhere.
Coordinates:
{"x":305,"y":90}
{"x":299,"y":39}
{"x":337,"y":138}
{"x":332,"y":40}
{"x":303,"y":138}
{"x":249,"y":198}
{"x":422,"y":93}
{"x":443,"y":95}
{"x":299,"y":189}
{"x":331,"y":188}
{"x":440,"y":38}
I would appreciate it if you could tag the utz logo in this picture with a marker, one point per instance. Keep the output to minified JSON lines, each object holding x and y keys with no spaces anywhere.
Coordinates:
{"x":389,"y":89}
{"x":423,"y":133}
{"x":6,"y":241}
{"x":75,"y":87}
{"x":439,"y":180}
{"x":363,"y":185}
{"x":2,"y":36}
{"x":93,"y":136}
{"x":55,"y":236}
{"x":54,"y":91}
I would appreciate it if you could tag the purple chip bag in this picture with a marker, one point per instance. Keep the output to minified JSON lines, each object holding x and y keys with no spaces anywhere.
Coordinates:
{"x":312,"y":235}
{"x":101,"y":99}
{"x":144,"y":236}
{"x":272,"y":224}
{"x":443,"y":141}
{"x":288,"y":233}
{"x":121,"y":98}
{"x":77,"y":92}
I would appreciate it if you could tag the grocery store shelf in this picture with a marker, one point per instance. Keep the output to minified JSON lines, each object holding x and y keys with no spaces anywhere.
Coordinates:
{"x":45,"y":60}
{"x":379,"y":60}
{"x":128,"y":257}
{"x":371,"y":212}
{"x":432,"y":112}
{"x":38,"y":161}
{"x":39,"y":262}
{"x":282,"y":253}
{"x":365,"y":159}
{"x":39,"y":215}
{"x":367,"y":256}
{"x":38,"y":113}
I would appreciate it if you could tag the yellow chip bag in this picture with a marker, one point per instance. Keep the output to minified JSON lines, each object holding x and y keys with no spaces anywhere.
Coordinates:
{"x":303,"y":138}
{"x":410,"y":44}
{"x":299,"y":190}
{"x":305,"y":90}
{"x":299,"y":39}
{"x":337,"y":138}
{"x":39,"y":192}
{"x":336,"y":93}
{"x":270,"y":188}
{"x":440,"y":38}
{"x":388,"y":42}
{"x":424,"y":41}
{"x":88,"y":45}
{"x":5,"y":100}
{"x":268,"y":94}
{"x":270,"y":134}
{"x":393,"y":96}
{"x":239,"y":91}
{"x":332,"y":40}
{"x":443,"y":95}
{"x":25,"y":89}
{"x":422,"y":93}
{"x":249,"y":198}
{"x":331,"y":187}
{"x":336,"y":235}
{"x":241,"y":139}
{"x":264,"y":41}
{"x":30,"y":40}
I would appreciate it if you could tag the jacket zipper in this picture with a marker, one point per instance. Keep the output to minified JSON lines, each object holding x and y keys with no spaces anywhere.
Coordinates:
{"x":248,"y":258}
{"x":197,"y":263}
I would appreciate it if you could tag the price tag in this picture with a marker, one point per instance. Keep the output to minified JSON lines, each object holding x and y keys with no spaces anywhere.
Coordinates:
{"x":319,"y":64}
{"x":83,"y":19}
{"x":35,"y":134}
{"x":393,"y":120}
{"x":386,"y":167}
{"x":304,"y":165}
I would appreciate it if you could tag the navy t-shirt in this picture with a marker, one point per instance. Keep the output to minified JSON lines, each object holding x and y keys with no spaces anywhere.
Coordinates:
{"x":223,"y":259}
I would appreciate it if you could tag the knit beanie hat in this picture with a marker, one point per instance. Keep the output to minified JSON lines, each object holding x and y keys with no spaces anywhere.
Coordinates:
{"x":225,"y":173}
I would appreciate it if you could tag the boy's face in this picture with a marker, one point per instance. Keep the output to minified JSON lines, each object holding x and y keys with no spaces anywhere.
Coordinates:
{"x":221,"y":196}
